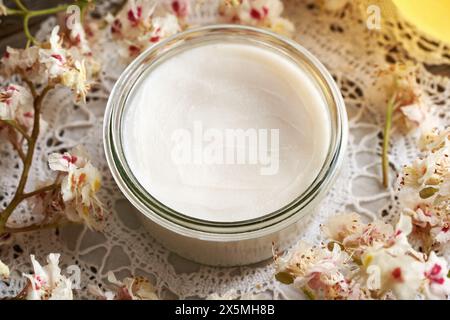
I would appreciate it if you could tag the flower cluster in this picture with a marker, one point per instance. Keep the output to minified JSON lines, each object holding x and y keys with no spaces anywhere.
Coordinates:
{"x":48,"y":63}
{"x":260,"y":13}
{"x":410,"y":108}
{"x":406,"y":273}
{"x":318,"y":271}
{"x":130,"y":288}
{"x":80,"y":182}
{"x":405,"y":106}
{"x":47,"y":282}
{"x":365,"y":261}
{"x":64,"y":60}
{"x":79,"y":40}
{"x":424,"y":189}
{"x":376,"y":261}
{"x":142,"y":23}
{"x":355,"y":236}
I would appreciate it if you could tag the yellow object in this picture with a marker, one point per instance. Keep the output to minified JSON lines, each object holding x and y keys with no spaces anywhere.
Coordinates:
{"x":429,"y":16}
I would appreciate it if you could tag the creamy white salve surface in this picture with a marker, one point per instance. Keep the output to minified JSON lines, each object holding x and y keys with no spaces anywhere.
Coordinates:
{"x":225,"y":86}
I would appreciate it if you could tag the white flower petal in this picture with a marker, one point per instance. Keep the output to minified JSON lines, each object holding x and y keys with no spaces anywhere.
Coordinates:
{"x":4,"y":270}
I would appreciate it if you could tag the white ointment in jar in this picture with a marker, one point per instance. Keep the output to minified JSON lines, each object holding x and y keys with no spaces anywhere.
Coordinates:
{"x":224,"y":137}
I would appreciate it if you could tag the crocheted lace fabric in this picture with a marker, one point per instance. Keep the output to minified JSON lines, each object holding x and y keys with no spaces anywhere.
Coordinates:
{"x":351,"y":52}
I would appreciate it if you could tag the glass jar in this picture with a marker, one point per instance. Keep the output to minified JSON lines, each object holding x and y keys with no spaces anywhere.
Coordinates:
{"x":212,"y":242}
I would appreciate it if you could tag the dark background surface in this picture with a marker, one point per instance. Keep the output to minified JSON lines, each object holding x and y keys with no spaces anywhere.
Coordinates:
{"x":11,"y":26}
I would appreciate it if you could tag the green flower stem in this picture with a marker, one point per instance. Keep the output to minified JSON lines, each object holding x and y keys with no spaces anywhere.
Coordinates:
{"x":20,"y":5}
{"x":28,"y":14}
{"x":19,"y":196}
{"x":43,"y":12}
{"x":13,"y":12}
{"x":26,"y":30}
{"x":386,"y":137}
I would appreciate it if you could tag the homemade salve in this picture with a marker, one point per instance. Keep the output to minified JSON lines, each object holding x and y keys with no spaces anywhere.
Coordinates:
{"x":224,"y":137}
{"x":211,"y":90}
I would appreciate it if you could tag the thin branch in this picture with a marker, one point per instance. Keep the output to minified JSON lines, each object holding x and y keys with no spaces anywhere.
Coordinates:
{"x":16,"y":145}
{"x":11,"y":12}
{"x":14,"y":126}
{"x":59,"y":8}
{"x":34,"y":227}
{"x":20,"y":5}
{"x":22,"y":10}
{"x":386,"y":139}
{"x":30,"y":86}
{"x":37,"y":104}
{"x":41,"y":190}
{"x":27,"y":157}
{"x":28,"y":14}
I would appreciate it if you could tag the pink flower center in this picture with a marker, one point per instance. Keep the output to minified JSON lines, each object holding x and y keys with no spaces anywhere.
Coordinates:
{"x":434,"y":274}
{"x":134,"y":50}
{"x":116,"y":26}
{"x":436,"y":270}
{"x":135,"y":15}
{"x":77,"y":39}
{"x":39,"y":282}
{"x":58,"y":57}
{"x":70,"y":159}
{"x":256,"y":14}
{"x":154,"y":39}
{"x":180,"y":8}
{"x":397,"y":274}
{"x":89,"y":31}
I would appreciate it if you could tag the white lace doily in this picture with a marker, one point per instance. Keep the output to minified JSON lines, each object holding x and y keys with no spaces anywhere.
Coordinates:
{"x":350,"y":51}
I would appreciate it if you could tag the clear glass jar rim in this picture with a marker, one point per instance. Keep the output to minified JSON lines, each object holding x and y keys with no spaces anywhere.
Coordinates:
{"x":177,"y":221}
